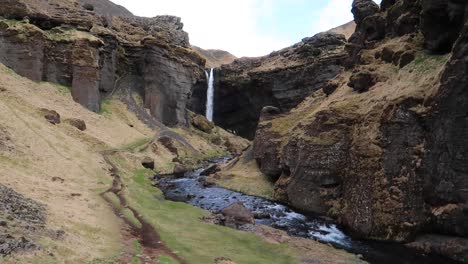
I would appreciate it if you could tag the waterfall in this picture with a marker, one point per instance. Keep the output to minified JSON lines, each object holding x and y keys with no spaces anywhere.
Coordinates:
{"x":210,"y":95}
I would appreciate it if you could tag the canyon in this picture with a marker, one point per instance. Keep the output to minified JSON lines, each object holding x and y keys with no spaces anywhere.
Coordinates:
{"x":365,"y":125}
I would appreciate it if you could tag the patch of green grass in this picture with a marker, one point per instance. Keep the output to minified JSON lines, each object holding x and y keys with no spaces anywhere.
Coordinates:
{"x":61,"y":88}
{"x":425,"y":62}
{"x":106,"y":105}
{"x":10,"y":71}
{"x":59,"y":36}
{"x":137,"y":250}
{"x":182,"y":229}
{"x":133,"y":146}
{"x":104,"y":261}
{"x":166,"y":260}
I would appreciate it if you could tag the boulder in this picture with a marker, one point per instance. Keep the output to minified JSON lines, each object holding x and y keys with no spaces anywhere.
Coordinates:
{"x":362,"y":9}
{"x":168,"y":143}
{"x":212,"y":169}
{"x":406,"y":58}
{"x":51,"y":116}
{"x":78,"y":123}
{"x":238,"y":214}
{"x":330,"y":87}
{"x":203,"y":124}
{"x":148,"y":163}
{"x":269,"y":112}
{"x":180,"y":170}
{"x":362,"y":81}
{"x":387,"y":54}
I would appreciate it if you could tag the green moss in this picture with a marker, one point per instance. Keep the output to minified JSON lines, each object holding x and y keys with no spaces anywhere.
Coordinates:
{"x":134,"y":146}
{"x":425,"y":62}
{"x":9,"y":71}
{"x":105,"y":107}
{"x":166,"y":260}
{"x":137,"y":250}
{"x":59,"y":35}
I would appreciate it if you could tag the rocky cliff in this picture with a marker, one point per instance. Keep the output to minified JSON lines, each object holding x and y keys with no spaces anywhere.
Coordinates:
{"x":283,"y":79}
{"x":84,"y":45}
{"x":215,"y":58}
{"x":385,"y":152}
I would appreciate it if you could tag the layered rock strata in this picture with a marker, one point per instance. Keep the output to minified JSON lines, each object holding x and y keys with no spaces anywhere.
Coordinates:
{"x":94,"y":52}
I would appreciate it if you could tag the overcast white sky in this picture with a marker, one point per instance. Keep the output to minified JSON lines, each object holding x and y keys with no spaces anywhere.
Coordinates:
{"x":248,"y":27}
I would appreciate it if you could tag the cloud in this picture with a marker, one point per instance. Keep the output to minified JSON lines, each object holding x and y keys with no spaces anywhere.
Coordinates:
{"x":217,"y":24}
{"x":334,"y":14}
{"x":235,"y":26}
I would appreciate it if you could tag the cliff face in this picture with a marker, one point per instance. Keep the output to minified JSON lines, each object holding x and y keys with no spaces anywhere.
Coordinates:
{"x":283,"y":79}
{"x":386,"y":152}
{"x":96,"y":53}
{"x":215,"y":58}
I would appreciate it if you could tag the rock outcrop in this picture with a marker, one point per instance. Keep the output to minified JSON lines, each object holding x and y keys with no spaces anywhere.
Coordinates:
{"x":389,"y":158}
{"x":215,"y":58}
{"x":282,"y":79}
{"x":97,"y":52}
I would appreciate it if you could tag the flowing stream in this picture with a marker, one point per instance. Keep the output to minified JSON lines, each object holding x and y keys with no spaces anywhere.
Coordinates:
{"x":210,"y":95}
{"x":190,"y":189}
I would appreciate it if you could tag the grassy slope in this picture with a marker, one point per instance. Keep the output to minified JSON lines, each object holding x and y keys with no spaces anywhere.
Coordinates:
{"x":41,"y":151}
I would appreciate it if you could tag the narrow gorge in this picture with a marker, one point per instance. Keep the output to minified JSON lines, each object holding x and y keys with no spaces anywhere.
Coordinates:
{"x":121,"y":142}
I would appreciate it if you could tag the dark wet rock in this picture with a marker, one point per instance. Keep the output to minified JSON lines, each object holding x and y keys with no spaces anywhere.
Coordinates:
{"x":362,"y":81}
{"x":406,"y":58}
{"x":453,"y":247}
{"x":201,"y":123}
{"x":212,"y":169}
{"x":148,"y":163}
{"x":18,"y":207}
{"x":387,"y":54}
{"x":78,"y":123}
{"x":441,"y":23}
{"x":10,"y":244}
{"x":51,"y":116}
{"x":237,"y":214}
{"x":330,"y":87}
{"x":180,"y":170}
{"x":207,"y":182}
{"x":261,"y":215}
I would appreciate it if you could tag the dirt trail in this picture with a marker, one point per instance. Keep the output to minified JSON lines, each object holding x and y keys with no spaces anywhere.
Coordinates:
{"x":150,"y":240}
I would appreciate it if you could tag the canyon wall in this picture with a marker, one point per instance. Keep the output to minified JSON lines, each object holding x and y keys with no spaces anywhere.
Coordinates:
{"x":282,"y":79}
{"x":384,"y":153}
{"x":97,"y":50}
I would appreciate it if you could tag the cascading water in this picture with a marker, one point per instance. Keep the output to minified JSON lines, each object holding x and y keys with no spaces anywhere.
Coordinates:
{"x":210,"y":95}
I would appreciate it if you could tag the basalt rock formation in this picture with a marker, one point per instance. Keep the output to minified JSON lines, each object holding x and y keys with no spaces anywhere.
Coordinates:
{"x":282,"y":79}
{"x":382,"y":148}
{"x":97,"y":51}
